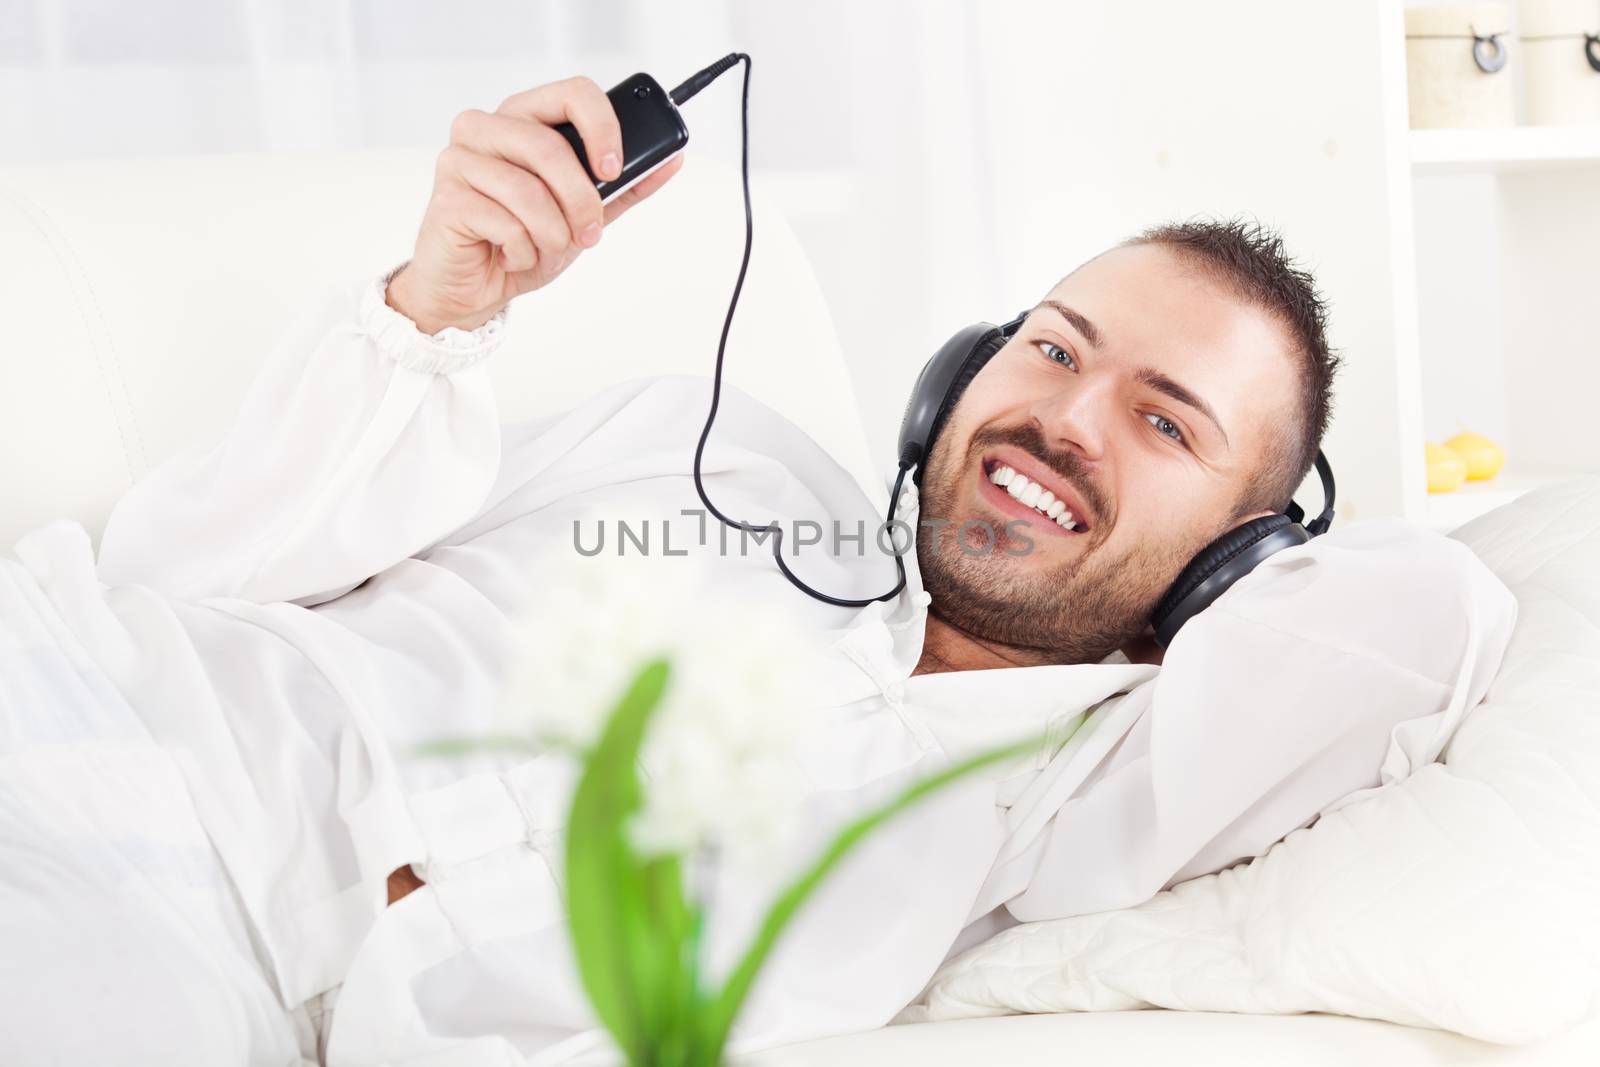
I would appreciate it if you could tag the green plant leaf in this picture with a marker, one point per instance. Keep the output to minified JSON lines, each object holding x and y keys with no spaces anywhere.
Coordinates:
{"x":670,"y":936}
{"x":617,"y":950}
{"x":718,"y":1021}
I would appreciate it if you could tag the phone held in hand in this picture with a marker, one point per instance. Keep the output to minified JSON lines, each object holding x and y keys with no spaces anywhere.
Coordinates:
{"x":652,"y":132}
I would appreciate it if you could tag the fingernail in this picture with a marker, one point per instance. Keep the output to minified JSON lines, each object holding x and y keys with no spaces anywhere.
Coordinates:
{"x":590,"y":235}
{"x":610,"y":166}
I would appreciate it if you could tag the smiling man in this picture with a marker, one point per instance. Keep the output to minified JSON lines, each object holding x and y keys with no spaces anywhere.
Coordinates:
{"x":210,"y":809}
{"x":1164,"y":392}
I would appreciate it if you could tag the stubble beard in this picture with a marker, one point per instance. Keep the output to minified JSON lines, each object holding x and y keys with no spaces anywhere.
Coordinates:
{"x":1079,"y":611}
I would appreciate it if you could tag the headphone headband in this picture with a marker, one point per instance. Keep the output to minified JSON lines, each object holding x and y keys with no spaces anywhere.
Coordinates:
{"x":1320,"y":524}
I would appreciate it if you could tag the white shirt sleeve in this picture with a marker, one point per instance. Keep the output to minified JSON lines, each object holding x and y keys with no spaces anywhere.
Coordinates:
{"x":361,"y":441}
{"x":1358,"y":651}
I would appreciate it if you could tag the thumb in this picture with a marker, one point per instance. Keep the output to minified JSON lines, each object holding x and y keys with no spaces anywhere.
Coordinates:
{"x":644,"y":188}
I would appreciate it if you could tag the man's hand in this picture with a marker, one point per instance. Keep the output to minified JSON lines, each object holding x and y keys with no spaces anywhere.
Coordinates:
{"x":511,"y":206}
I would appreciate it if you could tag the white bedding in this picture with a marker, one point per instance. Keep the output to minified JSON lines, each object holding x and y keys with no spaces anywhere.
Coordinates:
{"x":1462,"y":897}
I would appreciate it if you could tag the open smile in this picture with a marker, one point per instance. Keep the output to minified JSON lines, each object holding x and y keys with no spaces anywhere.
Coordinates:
{"x":1018,"y":486}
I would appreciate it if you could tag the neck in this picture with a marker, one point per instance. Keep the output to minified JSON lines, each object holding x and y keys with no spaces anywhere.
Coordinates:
{"x":947,"y":647}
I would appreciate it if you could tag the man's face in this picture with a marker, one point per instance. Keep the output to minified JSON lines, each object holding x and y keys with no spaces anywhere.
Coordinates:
{"x":1081,"y":400}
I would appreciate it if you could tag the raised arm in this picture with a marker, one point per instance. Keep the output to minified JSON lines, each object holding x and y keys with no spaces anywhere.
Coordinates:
{"x":371,"y":431}
{"x":1394,"y":904}
{"x":1336,"y":667}
{"x":360,"y":441}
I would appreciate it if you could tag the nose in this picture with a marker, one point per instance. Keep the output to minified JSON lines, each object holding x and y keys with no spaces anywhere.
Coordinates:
{"x":1074,"y":417}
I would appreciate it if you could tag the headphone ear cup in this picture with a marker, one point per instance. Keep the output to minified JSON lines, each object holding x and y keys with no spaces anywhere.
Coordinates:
{"x":942,"y":381}
{"x":1216,"y":567}
{"x":980,"y":357}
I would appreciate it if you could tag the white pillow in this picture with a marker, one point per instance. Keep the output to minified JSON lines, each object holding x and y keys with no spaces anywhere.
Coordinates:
{"x":1462,"y":897}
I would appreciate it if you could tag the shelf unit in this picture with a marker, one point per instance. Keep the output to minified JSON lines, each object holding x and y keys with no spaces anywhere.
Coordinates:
{"x":1517,"y":149}
{"x":1495,"y":317}
{"x":1522,"y":154}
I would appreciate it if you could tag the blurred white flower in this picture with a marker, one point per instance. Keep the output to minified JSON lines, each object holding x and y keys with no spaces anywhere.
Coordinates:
{"x":717,"y":764}
{"x":592,"y":625}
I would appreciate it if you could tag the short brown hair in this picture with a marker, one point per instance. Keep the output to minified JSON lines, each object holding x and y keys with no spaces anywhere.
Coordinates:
{"x":1250,"y":261}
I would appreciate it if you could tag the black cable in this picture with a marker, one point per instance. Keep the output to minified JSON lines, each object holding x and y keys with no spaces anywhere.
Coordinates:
{"x":700,"y":79}
{"x":682,"y":93}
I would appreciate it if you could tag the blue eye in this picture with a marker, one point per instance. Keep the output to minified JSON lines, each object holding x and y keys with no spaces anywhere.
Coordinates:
{"x":1055,"y":353}
{"x":1176,"y":435}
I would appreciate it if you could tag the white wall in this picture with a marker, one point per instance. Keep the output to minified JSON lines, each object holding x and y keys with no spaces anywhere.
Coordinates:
{"x":943,"y":161}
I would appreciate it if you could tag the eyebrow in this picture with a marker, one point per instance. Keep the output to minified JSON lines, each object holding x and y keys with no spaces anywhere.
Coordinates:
{"x":1090,"y":331}
{"x":1144,"y":375}
{"x":1162,"y":384}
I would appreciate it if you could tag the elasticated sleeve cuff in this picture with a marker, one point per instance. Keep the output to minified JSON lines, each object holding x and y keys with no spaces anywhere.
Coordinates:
{"x":451,"y":349}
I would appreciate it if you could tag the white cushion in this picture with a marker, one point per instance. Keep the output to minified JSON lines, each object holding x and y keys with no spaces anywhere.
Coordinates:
{"x":1173,"y":1039}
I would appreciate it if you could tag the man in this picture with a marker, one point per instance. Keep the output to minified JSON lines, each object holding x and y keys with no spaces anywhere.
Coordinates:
{"x":1168,"y":391}
{"x":207,"y":813}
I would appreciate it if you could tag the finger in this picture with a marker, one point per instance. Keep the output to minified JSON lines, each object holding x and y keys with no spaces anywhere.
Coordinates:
{"x":644,"y":188}
{"x":584,"y":104}
{"x":480,"y":218}
{"x":521,"y":193}
{"x":538,"y":149}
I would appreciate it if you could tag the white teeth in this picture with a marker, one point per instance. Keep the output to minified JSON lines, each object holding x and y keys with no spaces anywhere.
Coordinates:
{"x":1033,"y":495}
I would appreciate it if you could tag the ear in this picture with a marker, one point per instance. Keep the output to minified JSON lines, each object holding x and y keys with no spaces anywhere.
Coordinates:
{"x":1143,"y":649}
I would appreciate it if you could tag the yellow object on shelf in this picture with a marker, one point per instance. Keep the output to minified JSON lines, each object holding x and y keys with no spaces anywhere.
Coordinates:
{"x":1446,"y":469}
{"x":1483,"y":457}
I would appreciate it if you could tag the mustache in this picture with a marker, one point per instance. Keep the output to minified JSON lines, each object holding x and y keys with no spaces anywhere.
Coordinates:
{"x":1065,"y":464}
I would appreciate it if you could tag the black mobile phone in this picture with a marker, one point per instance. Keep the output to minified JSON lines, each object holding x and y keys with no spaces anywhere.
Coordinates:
{"x":652,"y":132}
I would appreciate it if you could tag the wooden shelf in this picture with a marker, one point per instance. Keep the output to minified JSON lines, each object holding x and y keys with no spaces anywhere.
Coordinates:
{"x":1445,"y":511}
{"x":1507,"y":149}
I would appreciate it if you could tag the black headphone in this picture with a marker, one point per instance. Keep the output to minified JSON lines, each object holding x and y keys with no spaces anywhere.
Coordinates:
{"x":1212,"y":571}
{"x":941,"y":383}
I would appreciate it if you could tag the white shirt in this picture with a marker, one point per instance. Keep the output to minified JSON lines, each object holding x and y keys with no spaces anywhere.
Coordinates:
{"x":292,"y":610}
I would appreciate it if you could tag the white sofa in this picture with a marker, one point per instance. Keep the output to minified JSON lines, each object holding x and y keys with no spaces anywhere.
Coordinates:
{"x":139,"y":295}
